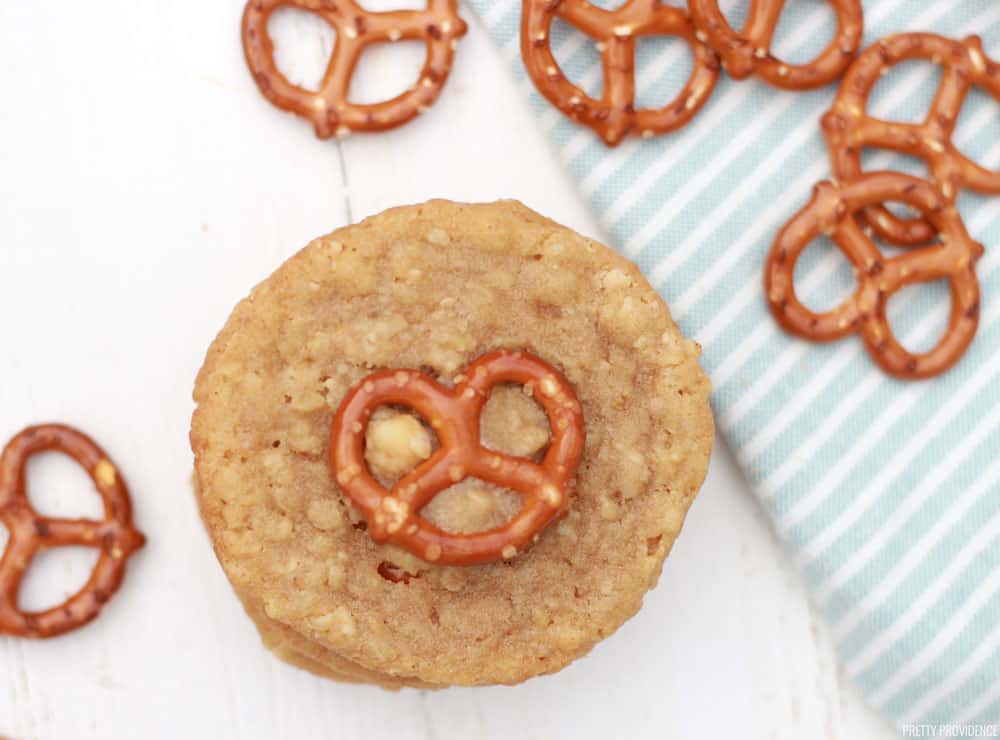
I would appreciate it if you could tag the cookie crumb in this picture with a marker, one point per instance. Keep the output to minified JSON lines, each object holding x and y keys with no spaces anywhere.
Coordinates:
{"x":395,"y":442}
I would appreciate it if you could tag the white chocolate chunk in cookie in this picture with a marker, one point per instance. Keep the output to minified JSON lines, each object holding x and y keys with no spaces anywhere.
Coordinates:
{"x":395,"y":443}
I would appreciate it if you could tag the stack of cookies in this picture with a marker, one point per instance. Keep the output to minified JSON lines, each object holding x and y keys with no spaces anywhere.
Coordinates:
{"x":450,"y":445}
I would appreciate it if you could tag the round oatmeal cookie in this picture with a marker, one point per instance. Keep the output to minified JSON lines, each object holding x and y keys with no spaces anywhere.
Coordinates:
{"x":431,"y":288}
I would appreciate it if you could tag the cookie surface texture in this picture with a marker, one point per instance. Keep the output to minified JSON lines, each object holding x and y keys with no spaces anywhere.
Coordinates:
{"x":432,"y":288}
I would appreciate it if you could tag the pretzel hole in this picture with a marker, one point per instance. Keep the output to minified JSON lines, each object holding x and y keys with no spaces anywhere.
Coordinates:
{"x":974,"y":134}
{"x":735,"y":12}
{"x":824,"y":277}
{"x":513,"y":422}
{"x":919,"y":314}
{"x":59,"y":488}
{"x":386,"y":70}
{"x":663,"y":65}
{"x":472,"y":505}
{"x":303,"y":46}
{"x":803,"y":27}
{"x":56,"y":575}
{"x":4,"y":537}
{"x":396,"y":441}
{"x":578,"y":57}
{"x":891,"y":249}
{"x":905,"y":91}
{"x":874,"y":160}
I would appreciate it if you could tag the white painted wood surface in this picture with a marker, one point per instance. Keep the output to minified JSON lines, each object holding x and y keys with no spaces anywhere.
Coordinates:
{"x":144,"y":187}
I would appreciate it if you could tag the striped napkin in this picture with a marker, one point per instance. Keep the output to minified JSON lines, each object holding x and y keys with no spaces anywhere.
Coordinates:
{"x":886,"y":492}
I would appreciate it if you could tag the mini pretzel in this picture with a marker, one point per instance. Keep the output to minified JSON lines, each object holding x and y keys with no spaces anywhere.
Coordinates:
{"x":833,"y":210}
{"x":848,"y":128}
{"x":31,"y":533}
{"x":749,"y":51}
{"x":615,"y":31}
{"x":329,"y":109}
{"x":394,"y":516}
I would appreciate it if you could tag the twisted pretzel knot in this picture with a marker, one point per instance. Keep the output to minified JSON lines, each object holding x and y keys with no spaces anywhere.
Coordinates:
{"x":615,"y":31}
{"x":833,"y":210}
{"x":31,"y":533}
{"x":848,"y":128}
{"x":749,"y":51}
{"x":329,"y":109}
{"x":394,"y":516}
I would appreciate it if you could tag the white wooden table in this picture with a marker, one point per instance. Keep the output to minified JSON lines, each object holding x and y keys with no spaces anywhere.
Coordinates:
{"x":144,"y":187}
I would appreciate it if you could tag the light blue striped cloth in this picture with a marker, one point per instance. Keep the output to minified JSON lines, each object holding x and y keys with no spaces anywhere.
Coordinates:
{"x":886,"y":492}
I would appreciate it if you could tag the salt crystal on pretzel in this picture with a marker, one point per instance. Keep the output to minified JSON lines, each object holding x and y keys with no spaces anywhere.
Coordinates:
{"x":848,"y":128}
{"x":749,"y":51}
{"x":329,"y":108}
{"x":31,"y":533}
{"x":394,"y":516}
{"x":833,"y":210}
{"x":615,"y":33}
